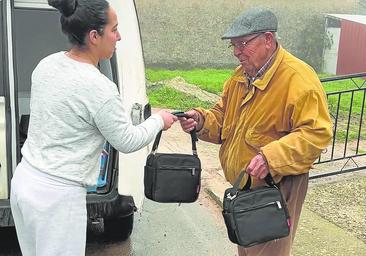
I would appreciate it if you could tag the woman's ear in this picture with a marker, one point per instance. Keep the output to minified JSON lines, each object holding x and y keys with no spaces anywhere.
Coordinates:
{"x":93,"y":36}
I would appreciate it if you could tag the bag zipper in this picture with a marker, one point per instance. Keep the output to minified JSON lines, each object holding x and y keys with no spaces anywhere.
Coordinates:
{"x":191,"y":169}
{"x":278,"y":203}
{"x":279,"y":206}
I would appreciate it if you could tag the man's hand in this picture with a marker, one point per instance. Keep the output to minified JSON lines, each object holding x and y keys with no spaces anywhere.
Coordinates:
{"x":188,"y":124}
{"x":258,"y":167}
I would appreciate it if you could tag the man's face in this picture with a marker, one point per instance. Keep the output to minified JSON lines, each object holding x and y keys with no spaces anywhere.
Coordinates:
{"x":252,"y":51}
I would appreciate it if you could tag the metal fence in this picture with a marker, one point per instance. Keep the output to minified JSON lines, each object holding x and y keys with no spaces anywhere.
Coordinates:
{"x":347,"y":152}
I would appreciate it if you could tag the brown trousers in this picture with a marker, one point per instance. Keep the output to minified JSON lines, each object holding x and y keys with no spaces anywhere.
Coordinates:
{"x":294,"y":190}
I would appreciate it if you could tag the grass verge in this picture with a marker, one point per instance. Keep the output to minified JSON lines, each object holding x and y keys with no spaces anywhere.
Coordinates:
{"x":212,"y":80}
{"x":165,"y":97}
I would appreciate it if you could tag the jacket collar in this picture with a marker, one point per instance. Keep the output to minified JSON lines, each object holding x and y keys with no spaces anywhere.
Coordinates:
{"x":261,"y":82}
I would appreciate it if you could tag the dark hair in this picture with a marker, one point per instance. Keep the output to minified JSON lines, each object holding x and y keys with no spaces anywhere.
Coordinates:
{"x":79,"y":17}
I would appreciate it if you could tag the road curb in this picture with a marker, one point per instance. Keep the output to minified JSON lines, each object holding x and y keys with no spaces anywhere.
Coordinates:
{"x":214,"y":184}
{"x":214,"y":196}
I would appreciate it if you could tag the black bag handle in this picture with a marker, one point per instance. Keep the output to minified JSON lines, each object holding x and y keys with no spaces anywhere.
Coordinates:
{"x":193,"y":136}
{"x":269,"y":180}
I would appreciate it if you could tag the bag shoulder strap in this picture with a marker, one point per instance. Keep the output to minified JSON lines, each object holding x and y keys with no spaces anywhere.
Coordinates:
{"x":193,"y":140}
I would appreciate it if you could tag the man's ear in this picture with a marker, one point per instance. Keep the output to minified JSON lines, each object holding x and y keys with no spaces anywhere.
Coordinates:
{"x":269,"y":38}
{"x":93,"y":36}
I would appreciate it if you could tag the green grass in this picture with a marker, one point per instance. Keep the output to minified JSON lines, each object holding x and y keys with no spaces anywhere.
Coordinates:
{"x":345,"y":99}
{"x":210,"y":80}
{"x":165,"y":97}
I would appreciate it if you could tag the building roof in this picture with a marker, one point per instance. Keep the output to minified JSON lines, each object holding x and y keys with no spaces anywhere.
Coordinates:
{"x":355,"y":18}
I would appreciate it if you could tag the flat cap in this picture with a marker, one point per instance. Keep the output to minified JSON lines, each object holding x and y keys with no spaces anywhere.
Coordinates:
{"x":252,"y":21}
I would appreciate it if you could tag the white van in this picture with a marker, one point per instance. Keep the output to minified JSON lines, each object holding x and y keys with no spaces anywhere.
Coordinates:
{"x":29,"y":31}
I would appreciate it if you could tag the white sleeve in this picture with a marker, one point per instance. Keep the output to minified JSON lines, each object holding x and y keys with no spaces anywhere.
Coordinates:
{"x":114,"y":124}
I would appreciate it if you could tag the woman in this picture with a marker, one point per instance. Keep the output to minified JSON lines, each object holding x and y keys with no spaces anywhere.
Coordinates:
{"x":74,"y":109}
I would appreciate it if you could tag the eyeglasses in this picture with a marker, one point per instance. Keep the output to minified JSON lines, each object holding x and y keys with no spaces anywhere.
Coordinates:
{"x":242,"y":45}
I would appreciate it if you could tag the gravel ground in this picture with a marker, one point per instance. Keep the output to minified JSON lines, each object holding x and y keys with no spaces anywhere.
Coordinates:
{"x":341,"y":201}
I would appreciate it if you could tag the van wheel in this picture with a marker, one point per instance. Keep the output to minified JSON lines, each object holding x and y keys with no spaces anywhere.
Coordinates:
{"x":119,"y":229}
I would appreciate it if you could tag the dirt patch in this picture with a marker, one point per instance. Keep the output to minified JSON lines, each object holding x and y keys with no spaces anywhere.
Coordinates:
{"x":179,"y":84}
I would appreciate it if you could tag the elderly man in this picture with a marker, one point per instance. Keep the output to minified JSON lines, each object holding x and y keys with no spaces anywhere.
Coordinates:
{"x":272,"y":118}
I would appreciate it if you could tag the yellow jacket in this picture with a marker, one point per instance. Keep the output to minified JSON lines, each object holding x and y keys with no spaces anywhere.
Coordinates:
{"x":284,"y":115}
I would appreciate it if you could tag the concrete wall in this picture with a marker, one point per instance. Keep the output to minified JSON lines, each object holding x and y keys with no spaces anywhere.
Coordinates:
{"x":331,"y":53}
{"x":186,"y":34}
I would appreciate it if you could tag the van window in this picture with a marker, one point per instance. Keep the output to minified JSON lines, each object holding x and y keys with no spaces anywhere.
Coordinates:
{"x":37,"y":34}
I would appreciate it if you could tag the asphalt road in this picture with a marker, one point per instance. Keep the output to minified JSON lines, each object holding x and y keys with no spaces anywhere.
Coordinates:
{"x":161,"y":230}
{"x":189,"y":229}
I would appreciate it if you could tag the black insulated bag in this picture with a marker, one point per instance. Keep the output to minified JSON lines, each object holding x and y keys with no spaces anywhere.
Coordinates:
{"x":254,"y":216}
{"x":172,"y":178}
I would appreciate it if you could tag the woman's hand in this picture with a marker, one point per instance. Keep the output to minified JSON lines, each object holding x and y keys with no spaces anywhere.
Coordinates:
{"x":168,"y":119}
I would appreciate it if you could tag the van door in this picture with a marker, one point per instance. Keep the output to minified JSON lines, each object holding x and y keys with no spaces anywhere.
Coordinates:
{"x":131,"y":73}
{"x":3,"y":129}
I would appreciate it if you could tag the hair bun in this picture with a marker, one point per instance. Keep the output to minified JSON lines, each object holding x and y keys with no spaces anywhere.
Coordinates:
{"x":66,"y":7}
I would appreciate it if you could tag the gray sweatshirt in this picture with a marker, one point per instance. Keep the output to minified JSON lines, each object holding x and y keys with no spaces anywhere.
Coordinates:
{"x":74,"y":109}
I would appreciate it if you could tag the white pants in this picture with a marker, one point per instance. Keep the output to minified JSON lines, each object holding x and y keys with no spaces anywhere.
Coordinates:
{"x":49,"y":213}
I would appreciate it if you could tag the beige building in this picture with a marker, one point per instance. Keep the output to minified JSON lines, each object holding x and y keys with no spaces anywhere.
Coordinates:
{"x":186,"y":34}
